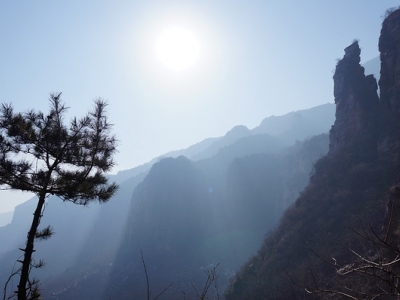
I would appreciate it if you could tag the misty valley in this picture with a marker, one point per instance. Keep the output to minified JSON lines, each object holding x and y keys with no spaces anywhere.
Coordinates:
{"x":209,"y":204}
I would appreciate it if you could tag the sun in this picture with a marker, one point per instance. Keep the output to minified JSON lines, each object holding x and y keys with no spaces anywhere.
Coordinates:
{"x":177,"y":48}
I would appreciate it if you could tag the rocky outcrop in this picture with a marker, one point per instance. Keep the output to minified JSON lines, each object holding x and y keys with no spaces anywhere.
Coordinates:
{"x":357,"y":106}
{"x":347,"y":187}
{"x":389,"y":83}
{"x":389,"y":47}
{"x":365,"y":123}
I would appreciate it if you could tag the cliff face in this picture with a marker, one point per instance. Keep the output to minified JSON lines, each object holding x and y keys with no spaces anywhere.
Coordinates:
{"x":357,"y":105}
{"x":389,"y":83}
{"x":349,"y":184}
{"x":389,"y":47}
{"x":366,"y":124}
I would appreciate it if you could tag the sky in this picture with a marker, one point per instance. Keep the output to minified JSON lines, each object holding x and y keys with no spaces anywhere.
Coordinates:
{"x":255,"y":59}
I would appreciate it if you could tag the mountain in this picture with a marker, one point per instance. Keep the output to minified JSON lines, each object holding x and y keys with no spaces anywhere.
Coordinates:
{"x":5,"y":218}
{"x":246,"y":172}
{"x":350,"y":195}
{"x":288,"y":128}
{"x":186,"y":216}
{"x":230,"y":137}
{"x":15,"y":232}
{"x":101,"y":227}
{"x":373,"y":67}
{"x":299,"y":125}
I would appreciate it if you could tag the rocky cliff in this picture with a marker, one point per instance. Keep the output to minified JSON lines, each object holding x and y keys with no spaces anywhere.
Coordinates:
{"x":350,"y":187}
{"x":389,"y":83}
{"x":368,"y":124}
{"x":357,"y":105}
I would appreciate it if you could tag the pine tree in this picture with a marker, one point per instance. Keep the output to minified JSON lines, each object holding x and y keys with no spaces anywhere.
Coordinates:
{"x":40,"y":153}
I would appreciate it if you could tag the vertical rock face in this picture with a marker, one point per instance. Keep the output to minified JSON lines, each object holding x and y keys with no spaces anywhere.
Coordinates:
{"x":343,"y":186}
{"x":389,"y":83}
{"x":389,"y":47}
{"x":367,"y":125}
{"x":357,"y":105}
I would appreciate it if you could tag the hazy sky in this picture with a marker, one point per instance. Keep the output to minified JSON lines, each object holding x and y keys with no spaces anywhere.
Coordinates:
{"x":256,"y":59}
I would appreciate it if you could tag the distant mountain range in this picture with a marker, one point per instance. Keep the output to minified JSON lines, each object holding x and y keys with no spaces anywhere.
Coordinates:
{"x":104,"y":228}
{"x":186,"y":210}
{"x":187,"y":215}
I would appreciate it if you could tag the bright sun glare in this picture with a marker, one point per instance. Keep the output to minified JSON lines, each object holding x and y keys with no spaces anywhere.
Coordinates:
{"x":177,"y":48}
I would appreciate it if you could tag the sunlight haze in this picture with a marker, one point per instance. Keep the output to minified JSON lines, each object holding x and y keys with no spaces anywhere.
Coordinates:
{"x":177,"y":48}
{"x":177,"y":72}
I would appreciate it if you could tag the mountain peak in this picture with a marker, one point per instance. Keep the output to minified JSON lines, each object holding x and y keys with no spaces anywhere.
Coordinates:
{"x":357,"y":105}
{"x":352,"y":52}
{"x":237,"y":132}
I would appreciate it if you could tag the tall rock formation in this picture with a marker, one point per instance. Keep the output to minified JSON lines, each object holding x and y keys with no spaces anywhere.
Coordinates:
{"x":368,"y":125}
{"x":349,"y":188}
{"x":389,"y":83}
{"x":357,"y":105}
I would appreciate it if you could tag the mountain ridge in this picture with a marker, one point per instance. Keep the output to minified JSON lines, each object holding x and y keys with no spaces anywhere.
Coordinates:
{"x":351,"y":186}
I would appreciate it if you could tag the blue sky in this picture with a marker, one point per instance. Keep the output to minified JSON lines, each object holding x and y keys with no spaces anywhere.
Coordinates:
{"x":257,"y":58}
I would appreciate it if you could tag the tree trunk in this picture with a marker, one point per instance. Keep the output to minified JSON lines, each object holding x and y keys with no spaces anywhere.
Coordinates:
{"x":29,"y":249}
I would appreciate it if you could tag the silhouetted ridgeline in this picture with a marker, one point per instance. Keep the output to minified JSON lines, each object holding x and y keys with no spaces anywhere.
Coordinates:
{"x":350,"y":185}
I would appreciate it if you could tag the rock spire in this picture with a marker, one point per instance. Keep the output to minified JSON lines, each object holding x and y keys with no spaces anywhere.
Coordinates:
{"x":389,"y":83}
{"x":357,"y":106}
